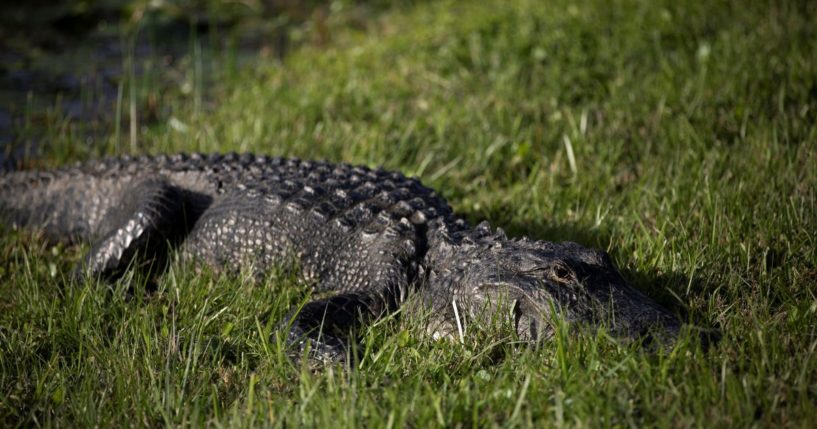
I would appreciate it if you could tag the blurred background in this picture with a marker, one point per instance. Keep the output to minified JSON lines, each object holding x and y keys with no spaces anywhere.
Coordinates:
{"x":103,"y":64}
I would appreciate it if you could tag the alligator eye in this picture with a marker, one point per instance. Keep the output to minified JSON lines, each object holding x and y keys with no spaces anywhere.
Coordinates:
{"x":561,"y":273}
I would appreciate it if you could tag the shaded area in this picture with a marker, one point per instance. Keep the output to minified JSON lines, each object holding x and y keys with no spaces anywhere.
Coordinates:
{"x":663,"y":287}
{"x":103,"y":67}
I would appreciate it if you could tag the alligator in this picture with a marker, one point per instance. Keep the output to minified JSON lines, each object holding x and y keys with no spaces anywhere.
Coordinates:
{"x":368,"y":241}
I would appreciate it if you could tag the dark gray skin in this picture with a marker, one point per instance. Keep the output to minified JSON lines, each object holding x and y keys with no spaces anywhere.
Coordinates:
{"x":368,"y":240}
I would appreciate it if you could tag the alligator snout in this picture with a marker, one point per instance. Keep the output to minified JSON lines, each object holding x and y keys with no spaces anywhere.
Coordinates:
{"x":539,"y":285}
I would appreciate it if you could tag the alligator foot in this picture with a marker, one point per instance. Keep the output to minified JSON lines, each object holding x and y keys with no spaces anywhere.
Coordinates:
{"x":138,"y":230}
{"x":316,"y":348}
{"x":317,"y":329}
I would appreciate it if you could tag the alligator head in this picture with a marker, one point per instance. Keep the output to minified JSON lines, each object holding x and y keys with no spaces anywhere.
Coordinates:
{"x":534,"y":284}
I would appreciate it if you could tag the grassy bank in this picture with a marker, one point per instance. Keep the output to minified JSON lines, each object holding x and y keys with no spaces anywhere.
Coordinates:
{"x":682,"y":138}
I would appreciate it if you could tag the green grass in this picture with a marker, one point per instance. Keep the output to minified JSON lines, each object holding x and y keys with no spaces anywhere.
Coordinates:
{"x":680,"y":137}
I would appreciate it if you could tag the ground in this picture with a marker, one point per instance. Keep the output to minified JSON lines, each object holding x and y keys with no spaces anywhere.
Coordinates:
{"x":679,"y":136}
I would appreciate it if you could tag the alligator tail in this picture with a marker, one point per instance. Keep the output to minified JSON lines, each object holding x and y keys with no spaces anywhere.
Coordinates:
{"x":53,"y":201}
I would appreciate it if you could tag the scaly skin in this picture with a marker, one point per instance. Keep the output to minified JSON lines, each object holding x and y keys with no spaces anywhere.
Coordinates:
{"x":369,"y":239}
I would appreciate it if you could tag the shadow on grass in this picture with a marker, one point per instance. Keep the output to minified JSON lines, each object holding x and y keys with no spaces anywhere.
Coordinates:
{"x":665,"y":288}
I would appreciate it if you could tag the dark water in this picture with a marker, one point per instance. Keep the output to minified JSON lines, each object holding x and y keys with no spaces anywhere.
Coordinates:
{"x":70,"y":66}
{"x":63,"y":68}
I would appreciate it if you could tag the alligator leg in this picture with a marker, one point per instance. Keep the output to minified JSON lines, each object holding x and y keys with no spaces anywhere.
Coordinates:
{"x":150,"y":214}
{"x":322,"y":325}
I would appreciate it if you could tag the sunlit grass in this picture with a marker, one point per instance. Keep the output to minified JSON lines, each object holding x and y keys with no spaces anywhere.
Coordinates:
{"x":681,"y":138}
